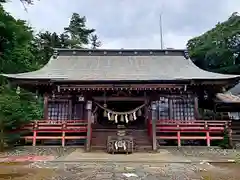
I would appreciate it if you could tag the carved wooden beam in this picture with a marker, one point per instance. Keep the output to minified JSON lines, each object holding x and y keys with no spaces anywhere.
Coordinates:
{"x":123,"y":98}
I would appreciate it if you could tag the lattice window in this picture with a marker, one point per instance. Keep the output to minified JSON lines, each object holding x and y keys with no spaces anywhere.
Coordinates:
{"x":183,"y":108}
{"x":163,"y":108}
{"x":58,"y":110}
{"x":78,"y":111}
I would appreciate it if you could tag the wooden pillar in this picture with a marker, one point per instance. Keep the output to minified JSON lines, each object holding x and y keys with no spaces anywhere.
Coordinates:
{"x":196,"y":107}
{"x":45,"y":106}
{"x":70,"y":110}
{"x":146,"y":109}
{"x":89,"y":125}
{"x":170,"y":101}
{"x":154,"y":119}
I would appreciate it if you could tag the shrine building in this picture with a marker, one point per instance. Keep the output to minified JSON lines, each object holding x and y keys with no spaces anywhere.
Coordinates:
{"x":124,"y":100}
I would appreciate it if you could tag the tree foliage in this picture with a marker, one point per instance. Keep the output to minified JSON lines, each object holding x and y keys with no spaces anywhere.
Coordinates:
{"x":78,"y":31}
{"x":75,"y":35}
{"x":218,"y":49}
{"x":22,"y":50}
{"x":95,"y":42}
{"x":17,"y":55}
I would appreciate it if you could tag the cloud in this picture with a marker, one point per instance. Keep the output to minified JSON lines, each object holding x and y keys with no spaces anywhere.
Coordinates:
{"x":130,"y":24}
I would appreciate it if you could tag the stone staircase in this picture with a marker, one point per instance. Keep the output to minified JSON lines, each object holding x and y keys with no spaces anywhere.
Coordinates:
{"x":142,"y":142}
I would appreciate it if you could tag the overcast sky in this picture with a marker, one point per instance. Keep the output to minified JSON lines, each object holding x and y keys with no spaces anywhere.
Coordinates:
{"x":130,"y":23}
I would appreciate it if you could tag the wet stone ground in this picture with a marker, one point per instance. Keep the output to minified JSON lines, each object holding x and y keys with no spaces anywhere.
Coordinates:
{"x":65,"y":170}
{"x":143,"y":171}
{"x":118,"y":171}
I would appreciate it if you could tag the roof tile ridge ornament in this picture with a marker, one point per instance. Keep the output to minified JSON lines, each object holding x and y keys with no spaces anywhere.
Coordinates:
{"x":186,"y":54}
{"x":55,"y":53}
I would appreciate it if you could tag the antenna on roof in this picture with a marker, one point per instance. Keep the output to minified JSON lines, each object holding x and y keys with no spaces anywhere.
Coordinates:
{"x":161,"y":30}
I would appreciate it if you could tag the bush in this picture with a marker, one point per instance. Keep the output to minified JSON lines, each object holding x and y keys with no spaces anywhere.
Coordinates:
{"x":16,"y":111}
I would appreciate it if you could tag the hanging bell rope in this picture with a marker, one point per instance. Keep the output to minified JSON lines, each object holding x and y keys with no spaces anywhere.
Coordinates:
{"x":105,"y":114}
{"x":95,"y":110}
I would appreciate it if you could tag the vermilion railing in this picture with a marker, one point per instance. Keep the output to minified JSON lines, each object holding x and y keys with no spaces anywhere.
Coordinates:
{"x":190,"y":130}
{"x":47,"y":130}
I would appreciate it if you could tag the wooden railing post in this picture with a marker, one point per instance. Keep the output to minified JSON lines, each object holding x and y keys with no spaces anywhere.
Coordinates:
{"x":178,"y":136}
{"x":228,"y":127}
{"x":35,"y":132}
{"x":207,"y":133}
{"x":63,"y":133}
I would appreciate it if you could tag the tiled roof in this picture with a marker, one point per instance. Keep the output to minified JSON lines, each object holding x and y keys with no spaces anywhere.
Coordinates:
{"x":115,"y":65}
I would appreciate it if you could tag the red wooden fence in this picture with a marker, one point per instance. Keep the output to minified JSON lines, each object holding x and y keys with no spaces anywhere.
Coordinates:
{"x":40,"y":127}
{"x":184,"y":130}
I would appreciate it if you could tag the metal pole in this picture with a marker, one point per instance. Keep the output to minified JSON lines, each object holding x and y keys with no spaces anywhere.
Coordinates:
{"x":161,"y":30}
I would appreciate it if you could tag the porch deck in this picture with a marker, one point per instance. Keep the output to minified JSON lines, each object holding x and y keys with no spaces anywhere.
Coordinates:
{"x":179,"y":130}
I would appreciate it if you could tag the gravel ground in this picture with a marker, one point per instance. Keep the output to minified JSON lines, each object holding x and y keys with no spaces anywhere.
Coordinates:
{"x":132,"y":171}
{"x":57,"y":152}
{"x":204,"y":153}
{"x":116,"y":170}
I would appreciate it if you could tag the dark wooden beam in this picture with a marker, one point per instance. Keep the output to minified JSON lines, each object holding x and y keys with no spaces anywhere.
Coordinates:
{"x":100,"y":98}
{"x":99,"y":87}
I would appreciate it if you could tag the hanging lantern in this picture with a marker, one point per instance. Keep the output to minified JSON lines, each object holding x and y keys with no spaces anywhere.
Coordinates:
{"x":105,"y":112}
{"x":139,"y":112}
{"x":18,"y":90}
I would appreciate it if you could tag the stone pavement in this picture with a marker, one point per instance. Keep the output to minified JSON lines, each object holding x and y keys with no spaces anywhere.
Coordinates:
{"x":125,"y":171}
{"x":164,"y":155}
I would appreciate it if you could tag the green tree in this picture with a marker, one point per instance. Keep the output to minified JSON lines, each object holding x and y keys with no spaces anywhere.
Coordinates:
{"x":218,"y":49}
{"x":78,"y":32}
{"x":45,"y":42}
{"x":16,"y":110}
{"x":95,"y":42}
{"x":16,"y":47}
